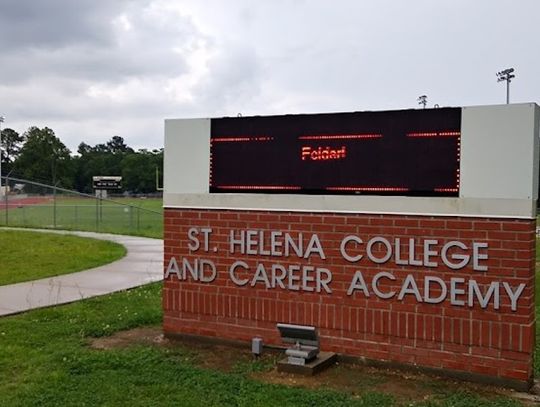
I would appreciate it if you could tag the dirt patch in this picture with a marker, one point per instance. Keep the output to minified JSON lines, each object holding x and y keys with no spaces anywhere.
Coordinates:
{"x":137,"y":336}
{"x":350,"y":378}
{"x":212,"y":356}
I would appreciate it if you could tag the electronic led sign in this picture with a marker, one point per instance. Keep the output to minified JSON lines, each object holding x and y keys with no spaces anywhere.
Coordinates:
{"x":408,"y":152}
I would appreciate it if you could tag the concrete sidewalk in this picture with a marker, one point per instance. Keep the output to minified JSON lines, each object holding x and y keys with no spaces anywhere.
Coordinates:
{"x":142,"y":264}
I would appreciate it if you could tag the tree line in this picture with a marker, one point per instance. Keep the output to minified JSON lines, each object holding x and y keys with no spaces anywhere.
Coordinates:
{"x":39,"y":155}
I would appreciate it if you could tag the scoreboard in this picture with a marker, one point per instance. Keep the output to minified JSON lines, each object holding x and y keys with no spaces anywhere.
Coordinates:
{"x":105,"y":182}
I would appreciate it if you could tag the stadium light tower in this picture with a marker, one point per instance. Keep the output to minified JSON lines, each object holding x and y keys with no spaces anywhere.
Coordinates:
{"x":506,"y":75}
{"x":422,"y":100}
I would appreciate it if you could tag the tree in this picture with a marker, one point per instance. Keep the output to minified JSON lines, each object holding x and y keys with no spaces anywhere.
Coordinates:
{"x":10,"y":148}
{"x":116,"y":145}
{"x":84,"y":149}
{"x":102,"y":159}
{"x":44,"y":157}
{"x":139,"y":170}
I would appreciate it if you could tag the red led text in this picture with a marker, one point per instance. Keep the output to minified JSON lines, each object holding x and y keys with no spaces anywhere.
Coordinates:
{"x":323,"y":153}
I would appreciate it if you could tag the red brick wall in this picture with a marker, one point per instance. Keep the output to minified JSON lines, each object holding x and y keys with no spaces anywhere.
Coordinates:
{"x":491,"y":342}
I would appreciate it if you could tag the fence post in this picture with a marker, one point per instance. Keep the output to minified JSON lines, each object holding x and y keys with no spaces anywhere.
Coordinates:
{"x":54,"y":206}
{"x":138,"y":219}
{"x":97,"y":214}
{"x":6,"y":200}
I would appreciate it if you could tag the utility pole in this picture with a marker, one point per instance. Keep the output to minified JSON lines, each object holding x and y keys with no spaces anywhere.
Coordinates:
{"x":422,"y":100}
{"x":506,"y":75}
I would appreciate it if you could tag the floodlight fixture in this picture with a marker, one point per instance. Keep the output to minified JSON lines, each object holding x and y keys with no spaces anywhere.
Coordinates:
{"x":506,"y":75}
{"x":422,"y":100}
{"x":305,"y":340}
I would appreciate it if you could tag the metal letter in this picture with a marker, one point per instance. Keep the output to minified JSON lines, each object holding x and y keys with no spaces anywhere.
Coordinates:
{"x":293,"y":278}
{"x":206,"y":232}
{"x":194,"y":243}
{"x":397,"y":253}
{"x":323,"y":282}
{"x":358,"y":283}
{"x":428,"y":253}
{"x":275,"y":244}
{"x":314,"y":246}
{"x":260,"y":275}
{"x":262,"y":250}
{"x":463,"y":257}
{"x":412,"y":250}
{"x":375,"y":287}
{"x":240,"y":242}
{"x":514,"y":296}
{"x":194,"y":271}
{"x":278,"y":279}
{"x":233,"y":277}
{"x":306,"y":279}
{"x":251,"y":243}
{"x":173,"y":268}
{"x":342,"y":247}
{"x":410,"y":287}
{"x":454,"y":291}
{"x":386,"y":244}
{"x":289,"y":242}
{"x":493,"y":290}
{"x":211,"y":277}
{"x":479,"y":256}
{"x":427,"y":281}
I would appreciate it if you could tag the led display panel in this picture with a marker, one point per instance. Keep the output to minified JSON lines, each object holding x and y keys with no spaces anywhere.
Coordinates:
{"x":406,"y":152}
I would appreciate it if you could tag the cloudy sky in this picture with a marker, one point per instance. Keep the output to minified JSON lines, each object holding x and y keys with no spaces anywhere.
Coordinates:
{"x":92,"y":69}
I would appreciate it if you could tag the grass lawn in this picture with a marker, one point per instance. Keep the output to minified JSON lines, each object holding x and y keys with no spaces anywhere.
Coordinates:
{"x":46,"y":360}
{"x":47,"y":255}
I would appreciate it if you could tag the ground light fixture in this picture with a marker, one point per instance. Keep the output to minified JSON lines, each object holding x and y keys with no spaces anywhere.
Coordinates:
{"x":506,"y":75}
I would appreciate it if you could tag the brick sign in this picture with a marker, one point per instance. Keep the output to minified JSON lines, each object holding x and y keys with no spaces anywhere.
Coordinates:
{"x":392,"y":281}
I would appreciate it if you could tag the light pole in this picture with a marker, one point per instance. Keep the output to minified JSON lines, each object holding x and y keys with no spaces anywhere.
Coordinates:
{"x":506,"y":75}
{"x":422,"y":100}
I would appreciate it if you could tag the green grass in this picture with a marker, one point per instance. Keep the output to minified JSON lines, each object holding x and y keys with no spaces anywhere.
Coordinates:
{"x":45,"y":360}
{"x":129,"y":216}
{"x":47,"y":255}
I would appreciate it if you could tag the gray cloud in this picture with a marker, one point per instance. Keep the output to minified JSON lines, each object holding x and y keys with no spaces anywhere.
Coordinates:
{"x":52,"y":24}
{"x":234,"y":81}
{"x":91,"y":40}
{"x":91,"y":69}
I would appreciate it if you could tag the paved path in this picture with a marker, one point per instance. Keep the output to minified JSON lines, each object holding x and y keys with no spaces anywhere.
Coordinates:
{"x":142,"y":264}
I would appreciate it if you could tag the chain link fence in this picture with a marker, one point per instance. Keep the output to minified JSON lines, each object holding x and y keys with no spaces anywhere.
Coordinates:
{"x":31,"y":204}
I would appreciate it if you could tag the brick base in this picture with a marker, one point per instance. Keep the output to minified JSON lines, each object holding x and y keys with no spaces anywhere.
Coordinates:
{"x":491,"y":341}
